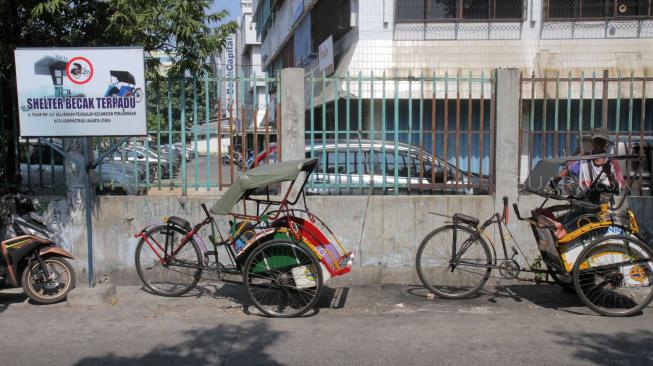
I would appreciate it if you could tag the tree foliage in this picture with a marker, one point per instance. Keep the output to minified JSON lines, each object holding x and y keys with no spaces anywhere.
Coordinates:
{"x":185,"y":30}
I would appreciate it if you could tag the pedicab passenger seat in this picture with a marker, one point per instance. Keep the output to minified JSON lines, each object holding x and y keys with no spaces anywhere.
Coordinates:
{"x":178,"y":221}
{"x":458,"y":217}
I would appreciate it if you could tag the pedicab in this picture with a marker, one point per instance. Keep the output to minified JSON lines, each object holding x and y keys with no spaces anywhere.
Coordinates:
{"x":128,"y":87}
{"x":283,"y":251}
{"x":599,"y":250}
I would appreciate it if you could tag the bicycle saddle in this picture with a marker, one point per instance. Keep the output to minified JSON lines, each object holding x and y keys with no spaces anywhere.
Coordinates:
{"x":458,"y":217}
{"x":178,"y":221}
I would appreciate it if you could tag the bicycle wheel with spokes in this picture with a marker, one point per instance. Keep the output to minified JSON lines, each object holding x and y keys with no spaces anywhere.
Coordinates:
{"x":283,"y":278}
{"x":164,"y":266}
{"x":613,"y":275}
{"x":449,"y":278}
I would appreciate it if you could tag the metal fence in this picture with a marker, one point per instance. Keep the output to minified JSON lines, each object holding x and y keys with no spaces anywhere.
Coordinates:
{"x":559,"y":111}
{"x":379,"y":134}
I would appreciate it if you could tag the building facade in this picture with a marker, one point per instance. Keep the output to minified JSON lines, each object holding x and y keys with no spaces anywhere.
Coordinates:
{"x":584,"y":64}
{"x":415,"y":36}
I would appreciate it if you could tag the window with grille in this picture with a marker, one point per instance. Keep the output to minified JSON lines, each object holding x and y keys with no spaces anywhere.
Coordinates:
{"x":597,"y":9}
{"x":439,"y":10}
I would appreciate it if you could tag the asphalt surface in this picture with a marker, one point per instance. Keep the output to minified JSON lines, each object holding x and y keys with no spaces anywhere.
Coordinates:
{"x":509,"y":324}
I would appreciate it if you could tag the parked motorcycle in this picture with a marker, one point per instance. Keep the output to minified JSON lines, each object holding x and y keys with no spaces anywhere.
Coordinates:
{"x":29,"y":256}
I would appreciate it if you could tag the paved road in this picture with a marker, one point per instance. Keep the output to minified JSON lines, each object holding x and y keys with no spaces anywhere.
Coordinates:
{"x":515,"y":324}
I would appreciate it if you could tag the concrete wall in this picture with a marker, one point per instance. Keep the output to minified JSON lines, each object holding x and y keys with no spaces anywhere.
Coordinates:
{"x":385,"y":231}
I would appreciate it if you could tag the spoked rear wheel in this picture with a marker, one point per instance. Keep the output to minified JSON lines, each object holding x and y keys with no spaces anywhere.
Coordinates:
{"x":171,"y":271}
{"x":451,"y":279}
{"x":613,"y":275}
{"x":283,"y":278}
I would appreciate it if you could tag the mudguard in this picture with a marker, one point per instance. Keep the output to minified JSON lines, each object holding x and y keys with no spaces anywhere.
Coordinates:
{"x":15,"y":249}
{"x":55,"y":251}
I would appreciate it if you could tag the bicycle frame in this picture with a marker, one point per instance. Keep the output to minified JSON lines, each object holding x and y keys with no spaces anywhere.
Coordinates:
{"x":500,"y":221}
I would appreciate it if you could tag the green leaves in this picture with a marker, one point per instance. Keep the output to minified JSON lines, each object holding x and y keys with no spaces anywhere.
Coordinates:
{"x":186,"y":30}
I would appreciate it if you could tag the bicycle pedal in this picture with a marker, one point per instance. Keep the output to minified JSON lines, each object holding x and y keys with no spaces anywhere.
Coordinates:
{"x":211,"y":252}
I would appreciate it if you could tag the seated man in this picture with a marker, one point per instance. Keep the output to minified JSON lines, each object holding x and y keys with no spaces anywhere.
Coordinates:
{"x":598,"y":179}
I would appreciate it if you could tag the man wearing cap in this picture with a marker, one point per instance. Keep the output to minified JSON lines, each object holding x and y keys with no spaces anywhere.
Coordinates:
{"x":597,"y":177}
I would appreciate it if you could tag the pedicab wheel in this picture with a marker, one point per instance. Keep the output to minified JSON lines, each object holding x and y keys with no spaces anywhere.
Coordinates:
{"x":138,"y":95}
{"x":613,"y":275}
{"x":434,"y":262}
{"x":283,"y":278}
{"x":168,"y":275}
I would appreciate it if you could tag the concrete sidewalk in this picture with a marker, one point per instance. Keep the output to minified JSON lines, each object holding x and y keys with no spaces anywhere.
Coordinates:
{"x":510,"y":324}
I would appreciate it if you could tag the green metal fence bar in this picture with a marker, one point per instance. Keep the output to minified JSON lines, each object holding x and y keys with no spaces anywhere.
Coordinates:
{"x":182,"y":123}
{"x":336,"y":88}
{"x":396,"y":135}
{"x":457,"y":128}
{"x":254,"y":84}
{"x":359,"y":159}
{"x":445,"y":156}
{"x":593,"y":101}
{"x":147,"y":164}
{"x":531,"y":114}
{"x":421,"y":129}
{"x":482,"y":134}
{"x":433,"y":129}
{"x":158,"y":133}
{"x":348,"y":128}
{"x":556,"y":110}
{"x":544,"y":121}
{"x":372,"y":132}
{"x":218,"y":93}
{"x":312,"y":121}
{"x":243,"y":136}
{"x":183,"y":148}
{"x":170,"y":118}
{"x":383,"y":133}
{"x":630,"y":105}
{"x":324,"y":124}
{"x":410,"y":130}
{"x":568,"y":129}
{"x":207,"y":132}
{"x":618,"y":109}
{"x":581,"y":103}
{"x":469,"y":132}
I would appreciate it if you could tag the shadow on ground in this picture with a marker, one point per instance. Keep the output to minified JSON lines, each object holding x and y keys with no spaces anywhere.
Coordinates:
{"x":547,"y":296}
{"x":623,"y":348}
{"x":235,"y":295}
{"x":9,"y":298}
{"x":243,"y":344}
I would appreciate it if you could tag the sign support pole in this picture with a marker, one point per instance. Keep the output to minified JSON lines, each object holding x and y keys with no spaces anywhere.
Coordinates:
{"x":88,"y":164}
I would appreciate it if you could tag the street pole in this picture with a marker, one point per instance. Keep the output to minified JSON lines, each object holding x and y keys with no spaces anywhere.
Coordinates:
{"x":88,"y":165}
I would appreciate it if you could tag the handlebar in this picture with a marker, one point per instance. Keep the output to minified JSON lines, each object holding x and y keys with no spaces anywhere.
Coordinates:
{"x":208,"y":215}
{"x":517,"y":213}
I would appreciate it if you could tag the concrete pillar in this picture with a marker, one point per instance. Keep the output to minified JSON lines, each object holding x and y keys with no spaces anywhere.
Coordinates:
{"x":507,"y":136}
{"x":292,"y":114}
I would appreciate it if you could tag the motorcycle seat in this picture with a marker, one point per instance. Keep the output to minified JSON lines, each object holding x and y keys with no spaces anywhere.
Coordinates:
{"x":465,"y":219}
{"x":179,"y":222}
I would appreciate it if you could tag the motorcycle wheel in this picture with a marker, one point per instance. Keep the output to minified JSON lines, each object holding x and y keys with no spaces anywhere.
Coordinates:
{"x":49,"y":291}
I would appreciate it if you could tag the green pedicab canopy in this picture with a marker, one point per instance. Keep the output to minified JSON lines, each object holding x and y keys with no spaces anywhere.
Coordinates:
{"x":260,"y":177}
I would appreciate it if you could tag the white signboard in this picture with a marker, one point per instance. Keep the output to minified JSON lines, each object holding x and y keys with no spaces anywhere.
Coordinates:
{"x":325,"y":52}
{"x":230,"y":68}
{"x":81,"y":92}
